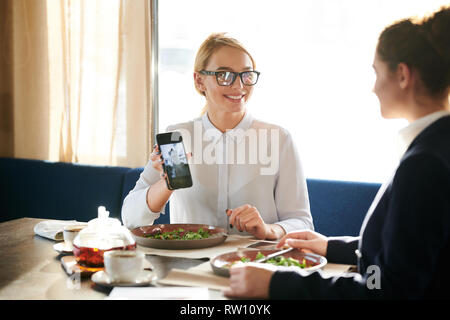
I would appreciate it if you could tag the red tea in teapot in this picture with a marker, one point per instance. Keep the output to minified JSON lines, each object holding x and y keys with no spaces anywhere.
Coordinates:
{"x":102,"y":234}
{"x":93,"y":257}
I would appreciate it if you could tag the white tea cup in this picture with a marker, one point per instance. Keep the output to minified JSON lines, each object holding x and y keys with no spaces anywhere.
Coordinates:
{"x":70,"y":232}
{"x":123,"y":265}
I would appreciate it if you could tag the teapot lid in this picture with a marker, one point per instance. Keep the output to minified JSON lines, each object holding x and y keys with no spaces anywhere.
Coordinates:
{"x":103,"y":220}
{"x":104,"y":233}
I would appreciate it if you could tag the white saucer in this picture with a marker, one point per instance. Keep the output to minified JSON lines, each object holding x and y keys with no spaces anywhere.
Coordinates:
{"x":144,"y":278}
{"x":63,"y":247}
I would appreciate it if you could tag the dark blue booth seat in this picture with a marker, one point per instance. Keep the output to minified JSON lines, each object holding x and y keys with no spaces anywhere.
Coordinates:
{"x":55,"y":190}
{"x":338,"y":208}
{"x":49,"y":190}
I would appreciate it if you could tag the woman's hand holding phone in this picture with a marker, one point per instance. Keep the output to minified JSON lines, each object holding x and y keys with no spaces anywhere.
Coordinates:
{"x":158,"y":193}
{"x":157,"y":161}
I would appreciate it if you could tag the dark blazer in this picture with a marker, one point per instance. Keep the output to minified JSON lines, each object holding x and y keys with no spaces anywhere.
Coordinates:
{"x":404,"y":247}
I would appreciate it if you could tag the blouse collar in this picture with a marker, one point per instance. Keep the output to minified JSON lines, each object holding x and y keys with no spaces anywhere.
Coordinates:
{"x":237,"y":133}
{"x":410,"y":132}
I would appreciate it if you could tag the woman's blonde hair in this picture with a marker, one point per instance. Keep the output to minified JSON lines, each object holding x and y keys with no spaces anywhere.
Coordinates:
{"x":213,"y":43}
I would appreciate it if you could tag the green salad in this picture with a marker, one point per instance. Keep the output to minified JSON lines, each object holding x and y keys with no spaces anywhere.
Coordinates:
{"x":179,"y":234}
{"x":278,"y":261}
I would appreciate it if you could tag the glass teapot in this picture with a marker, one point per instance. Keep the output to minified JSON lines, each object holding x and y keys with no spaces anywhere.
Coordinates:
{"x":101,"y":234}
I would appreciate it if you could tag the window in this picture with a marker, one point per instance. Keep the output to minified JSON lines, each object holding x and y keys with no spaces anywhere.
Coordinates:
{"x":325,"y":100}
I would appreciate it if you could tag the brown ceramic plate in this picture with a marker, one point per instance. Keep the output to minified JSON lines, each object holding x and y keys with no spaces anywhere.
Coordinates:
{"x":220,"y":262}
{"x":217,"y":236}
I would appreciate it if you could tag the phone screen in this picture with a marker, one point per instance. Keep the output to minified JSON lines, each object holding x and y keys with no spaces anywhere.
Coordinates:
{"x":175,"y":161}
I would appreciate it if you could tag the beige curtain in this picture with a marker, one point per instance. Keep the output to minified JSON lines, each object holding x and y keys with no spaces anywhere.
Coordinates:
{"x":77,"y":82}
{"x":6,"y":118}
{"x":24,"y":107}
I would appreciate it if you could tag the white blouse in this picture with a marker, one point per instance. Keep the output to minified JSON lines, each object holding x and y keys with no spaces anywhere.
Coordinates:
{"x":256,"y":163}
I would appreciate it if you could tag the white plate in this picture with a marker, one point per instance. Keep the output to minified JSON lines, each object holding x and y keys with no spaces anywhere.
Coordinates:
{"x":144,"y":278}
{"x":62,"y":247}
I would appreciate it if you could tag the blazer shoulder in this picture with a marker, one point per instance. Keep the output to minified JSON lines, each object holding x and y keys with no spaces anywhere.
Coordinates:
{"x":424,"y":166}
{"x":434,"y":141}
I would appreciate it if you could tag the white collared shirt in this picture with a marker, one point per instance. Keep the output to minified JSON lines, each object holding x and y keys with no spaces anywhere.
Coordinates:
{"x":255,"y":163}
{"x":410,"y":132}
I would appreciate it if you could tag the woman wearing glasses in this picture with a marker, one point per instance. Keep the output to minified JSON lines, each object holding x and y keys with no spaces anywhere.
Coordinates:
{"x":247,"y":176}
{"x":404,"y":247}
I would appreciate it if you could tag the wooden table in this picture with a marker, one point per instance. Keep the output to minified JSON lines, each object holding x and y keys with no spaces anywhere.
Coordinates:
{"x":31,"y":269}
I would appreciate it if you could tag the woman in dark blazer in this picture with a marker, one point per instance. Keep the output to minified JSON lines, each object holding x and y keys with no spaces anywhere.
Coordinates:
{"x":403,"y":250}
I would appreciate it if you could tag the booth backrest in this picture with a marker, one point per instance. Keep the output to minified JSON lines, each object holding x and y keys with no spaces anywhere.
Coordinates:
{"x":64,"y":191}
{"x":338,"y":208}
{"x":56,"y":190}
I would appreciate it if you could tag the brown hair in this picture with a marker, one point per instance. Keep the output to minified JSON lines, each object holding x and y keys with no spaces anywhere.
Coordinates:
{"x":423,"y":45}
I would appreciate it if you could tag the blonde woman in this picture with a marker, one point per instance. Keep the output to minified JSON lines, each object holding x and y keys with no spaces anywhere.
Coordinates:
{"x":247,"y":176}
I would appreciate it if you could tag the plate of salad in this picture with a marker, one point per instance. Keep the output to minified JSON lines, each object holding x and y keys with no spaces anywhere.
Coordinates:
{"x":179,"y":236}
{"x":221,"y":264}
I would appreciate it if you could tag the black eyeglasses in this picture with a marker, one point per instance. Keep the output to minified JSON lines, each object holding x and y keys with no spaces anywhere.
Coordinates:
{"x":227,"y":78}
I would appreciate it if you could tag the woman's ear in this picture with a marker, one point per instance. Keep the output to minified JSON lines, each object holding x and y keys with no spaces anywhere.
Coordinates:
{"x":198,"y":80}
{"x":404,"y":75}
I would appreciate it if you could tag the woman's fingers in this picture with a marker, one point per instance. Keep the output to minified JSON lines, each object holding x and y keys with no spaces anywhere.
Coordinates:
{"x":305,"y":240}
{"x":247,"y":218}
{"x":155,"y":150}
{"x":241,"y":216}
{"x":256,"y":227}
{"x":300,"y":244}
{"x":233,"y":214}
{"x":156,"y":159}
{"x":301,"y":235}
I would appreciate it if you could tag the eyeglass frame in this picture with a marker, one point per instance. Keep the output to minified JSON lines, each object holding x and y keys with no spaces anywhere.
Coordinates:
{"x":235,"y":74}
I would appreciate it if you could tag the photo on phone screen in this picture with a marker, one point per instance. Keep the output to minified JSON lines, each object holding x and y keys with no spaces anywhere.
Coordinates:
{"x":175,"y":160}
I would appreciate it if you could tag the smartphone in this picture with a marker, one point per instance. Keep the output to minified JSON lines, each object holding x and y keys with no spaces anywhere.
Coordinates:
{"x":175,"y":162}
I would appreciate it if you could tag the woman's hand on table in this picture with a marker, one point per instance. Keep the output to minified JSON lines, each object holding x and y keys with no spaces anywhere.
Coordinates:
{"x":247,"y":218}
{"x":305,"y":240}
{"x":250,"y":280}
